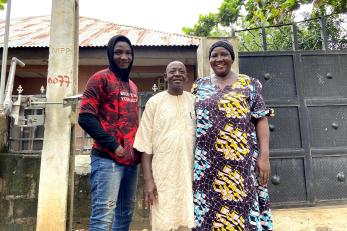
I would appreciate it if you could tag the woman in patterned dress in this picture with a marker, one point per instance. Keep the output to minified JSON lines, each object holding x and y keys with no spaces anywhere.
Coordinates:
{"x":231,"y":167}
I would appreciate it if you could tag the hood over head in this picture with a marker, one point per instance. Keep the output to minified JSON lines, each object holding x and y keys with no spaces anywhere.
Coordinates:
{"x":122,"y":74}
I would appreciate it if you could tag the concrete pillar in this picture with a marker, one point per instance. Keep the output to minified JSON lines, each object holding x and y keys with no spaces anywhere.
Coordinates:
{"x":54,"y":203}
{"x":204,"y":68}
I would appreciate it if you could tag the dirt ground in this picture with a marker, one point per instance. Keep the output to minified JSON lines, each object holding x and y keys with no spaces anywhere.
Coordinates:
{"x":322,"y":218}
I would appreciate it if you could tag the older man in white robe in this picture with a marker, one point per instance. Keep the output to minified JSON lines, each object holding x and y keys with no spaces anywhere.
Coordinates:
{"x":166,"y":139}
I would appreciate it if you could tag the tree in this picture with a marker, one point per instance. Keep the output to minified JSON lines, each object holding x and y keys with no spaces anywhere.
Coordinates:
{"x":263,"y":13}
{"x":260,"y":13}
{"x":2,"y":3}
{"x":204,"y":26}
{"x":321,"y":6}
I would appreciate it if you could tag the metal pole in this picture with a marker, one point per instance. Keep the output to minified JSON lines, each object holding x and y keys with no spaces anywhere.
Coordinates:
{"x":323,"y":32}
{"x":263,"y":35}
{"x":4,"y":54}
{"x":7,"y":104}
{"x":294,"y":36}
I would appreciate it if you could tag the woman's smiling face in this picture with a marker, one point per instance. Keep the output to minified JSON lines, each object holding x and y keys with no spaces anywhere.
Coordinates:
{"x":221,"y":61}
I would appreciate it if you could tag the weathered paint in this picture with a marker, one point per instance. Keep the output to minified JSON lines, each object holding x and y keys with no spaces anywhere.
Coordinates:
{"x":54,"y":174}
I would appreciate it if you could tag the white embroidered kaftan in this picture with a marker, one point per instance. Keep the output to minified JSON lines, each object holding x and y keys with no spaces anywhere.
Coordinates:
{"x":167,"y":132}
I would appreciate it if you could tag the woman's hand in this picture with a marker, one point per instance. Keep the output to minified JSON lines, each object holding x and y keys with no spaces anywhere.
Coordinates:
{"x":263,"y":169}
{"x":151,"y":193}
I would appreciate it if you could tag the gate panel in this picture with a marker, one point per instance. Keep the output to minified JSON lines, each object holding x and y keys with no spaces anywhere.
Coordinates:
{"x":328,"y":125}
{"x":284,"y":127}
{"x":308,"y":144}
{"x":277,"y":74}
{"x":325,"y":75}
{"x":287,"y":181}
{"x":330,"y":174}
{"x":274,"y":72}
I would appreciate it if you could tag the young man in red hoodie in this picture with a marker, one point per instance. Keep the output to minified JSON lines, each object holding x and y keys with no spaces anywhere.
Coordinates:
{"x":109,"y":114}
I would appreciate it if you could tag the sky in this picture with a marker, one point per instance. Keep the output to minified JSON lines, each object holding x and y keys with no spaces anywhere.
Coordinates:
{"x":161,"y":15}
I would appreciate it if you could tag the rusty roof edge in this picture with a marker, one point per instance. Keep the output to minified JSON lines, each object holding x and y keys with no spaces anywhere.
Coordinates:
{"x":141,"y":28}
{"x":187,"y":40}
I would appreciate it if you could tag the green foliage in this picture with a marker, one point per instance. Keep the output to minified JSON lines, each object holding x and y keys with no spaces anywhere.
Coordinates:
{"x":279,"y":38}
{"x":250,"y":40}
{"x":262,"y":13}
{"x":276,"y":39}
{"x":321,"y":6}
{"x":309,"y":36}
{"x":310,"y":33}
{"x":2,"y":2}
{"x":229,"y":12}
{"x":204,"y":27}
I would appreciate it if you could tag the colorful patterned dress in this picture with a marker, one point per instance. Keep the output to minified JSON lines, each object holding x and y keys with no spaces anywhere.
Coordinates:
{"x":227,"y":195}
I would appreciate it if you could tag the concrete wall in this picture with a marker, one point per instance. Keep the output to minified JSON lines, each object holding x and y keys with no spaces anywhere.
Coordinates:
{"x":19,"y":180}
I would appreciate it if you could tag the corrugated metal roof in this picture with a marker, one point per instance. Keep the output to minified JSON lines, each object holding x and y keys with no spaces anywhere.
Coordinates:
{"x":34,"y":32}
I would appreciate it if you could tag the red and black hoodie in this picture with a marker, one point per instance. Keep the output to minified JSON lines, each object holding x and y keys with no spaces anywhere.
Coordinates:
{"x":109,"y":109}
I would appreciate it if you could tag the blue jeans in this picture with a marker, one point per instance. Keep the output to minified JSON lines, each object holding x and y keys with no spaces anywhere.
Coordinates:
{"x":113,"y":188}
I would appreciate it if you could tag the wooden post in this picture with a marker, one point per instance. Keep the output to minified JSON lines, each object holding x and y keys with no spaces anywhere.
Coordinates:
{"x":55,"y":174}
